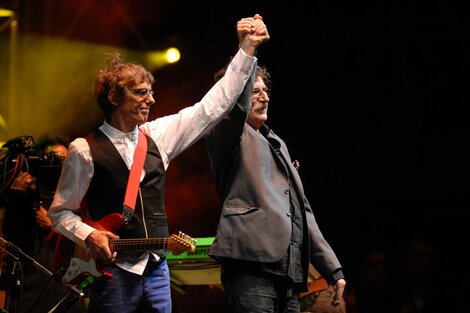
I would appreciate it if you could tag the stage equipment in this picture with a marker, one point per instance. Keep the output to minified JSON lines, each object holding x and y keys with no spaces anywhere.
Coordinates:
{"x":18,"y":155}
{"x":194,"y":268}
{"x":13,"y":297}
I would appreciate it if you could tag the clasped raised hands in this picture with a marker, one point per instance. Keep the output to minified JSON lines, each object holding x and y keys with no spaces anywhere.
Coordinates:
{"x":252,"y":32}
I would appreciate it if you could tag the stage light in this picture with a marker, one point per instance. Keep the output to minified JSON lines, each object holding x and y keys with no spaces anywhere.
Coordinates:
{"x":172,"y":55}
{"x":7,"y":18}
{"x":158,"y":59}
{"x":6,"y":13}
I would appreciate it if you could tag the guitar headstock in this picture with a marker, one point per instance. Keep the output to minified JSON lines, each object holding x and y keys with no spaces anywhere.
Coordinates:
{"x":181,"y":243}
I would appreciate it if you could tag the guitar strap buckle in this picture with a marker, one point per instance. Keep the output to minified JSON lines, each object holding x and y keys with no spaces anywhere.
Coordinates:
{"x":127,"y":213}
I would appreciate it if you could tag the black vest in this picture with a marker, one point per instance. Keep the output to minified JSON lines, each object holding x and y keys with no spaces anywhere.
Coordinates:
{"x":108,"y":187}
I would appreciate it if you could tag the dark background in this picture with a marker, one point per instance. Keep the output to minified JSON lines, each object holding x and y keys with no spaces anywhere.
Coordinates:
{"x":371,"y":97}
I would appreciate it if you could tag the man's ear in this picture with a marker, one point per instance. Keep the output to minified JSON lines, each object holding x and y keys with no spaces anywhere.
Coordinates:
{"x":111,"y":97}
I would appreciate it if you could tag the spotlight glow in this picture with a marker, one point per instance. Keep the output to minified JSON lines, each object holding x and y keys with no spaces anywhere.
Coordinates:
{"x":158,"y":59}
{"x":6,"y":13}
{"x":172,"y":55}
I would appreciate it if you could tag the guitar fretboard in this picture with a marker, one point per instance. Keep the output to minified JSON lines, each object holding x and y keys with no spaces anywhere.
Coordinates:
{"x":175,"y":243}
{"x":144,"y":244}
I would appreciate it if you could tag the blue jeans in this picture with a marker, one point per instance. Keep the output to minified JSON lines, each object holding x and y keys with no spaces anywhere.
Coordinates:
{"x":126,"y":292}
{"x":258,"y":292}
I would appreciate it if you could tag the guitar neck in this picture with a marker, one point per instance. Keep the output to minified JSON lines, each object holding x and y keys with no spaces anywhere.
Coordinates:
{"x":139,"y":244}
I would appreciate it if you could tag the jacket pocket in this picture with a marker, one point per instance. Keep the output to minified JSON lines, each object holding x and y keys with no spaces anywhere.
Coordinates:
{"x":239,"y":210}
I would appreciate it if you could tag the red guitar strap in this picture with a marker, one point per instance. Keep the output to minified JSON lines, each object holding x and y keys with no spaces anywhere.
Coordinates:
{"x":134,"y":178}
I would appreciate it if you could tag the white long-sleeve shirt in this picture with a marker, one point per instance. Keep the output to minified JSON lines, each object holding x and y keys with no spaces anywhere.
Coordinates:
{"x":172,"y":134}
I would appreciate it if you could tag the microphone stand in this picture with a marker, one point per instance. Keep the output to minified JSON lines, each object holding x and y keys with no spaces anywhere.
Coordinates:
{"x":15,"y":251}
{"x":17,"y":284}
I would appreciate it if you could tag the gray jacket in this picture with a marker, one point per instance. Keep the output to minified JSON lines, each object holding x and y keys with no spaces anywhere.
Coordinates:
{"x":255,"y":222}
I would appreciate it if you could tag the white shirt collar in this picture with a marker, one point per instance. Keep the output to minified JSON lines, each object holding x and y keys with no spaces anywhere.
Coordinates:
{"x":115,"y":133}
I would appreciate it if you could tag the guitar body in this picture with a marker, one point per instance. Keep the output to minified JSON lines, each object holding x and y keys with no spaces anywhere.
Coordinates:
{"x":110,"y":222}
{"x":83,"y":264}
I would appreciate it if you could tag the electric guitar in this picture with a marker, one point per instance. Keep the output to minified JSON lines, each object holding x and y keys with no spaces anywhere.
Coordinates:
{"x":84,"y":264}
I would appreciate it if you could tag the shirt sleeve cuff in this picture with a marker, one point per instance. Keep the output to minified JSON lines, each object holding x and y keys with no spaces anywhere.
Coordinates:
{"x":333,"y":277}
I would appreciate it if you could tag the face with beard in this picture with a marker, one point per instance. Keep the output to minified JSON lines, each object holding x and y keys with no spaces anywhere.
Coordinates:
{"x":259,"y":104}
